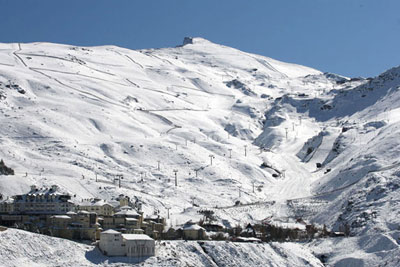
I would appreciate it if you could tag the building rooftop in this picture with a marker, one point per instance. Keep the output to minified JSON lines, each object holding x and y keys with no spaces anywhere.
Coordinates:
{"x":127,"y":213}
{"x":193,"y":227}
{"x":83,"y":212}
{"x":61,"y":217}
{"x":95,"y":203}
{"x":110,"y":231}
{"x":136,"y":237}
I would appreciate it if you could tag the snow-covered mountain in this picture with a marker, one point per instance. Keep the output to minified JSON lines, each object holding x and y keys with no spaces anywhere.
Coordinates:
{"x":233,"y":126}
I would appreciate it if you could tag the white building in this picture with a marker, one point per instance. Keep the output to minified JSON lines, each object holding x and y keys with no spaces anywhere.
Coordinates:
{"x":113,"y":243}
{"x":139,"y":245}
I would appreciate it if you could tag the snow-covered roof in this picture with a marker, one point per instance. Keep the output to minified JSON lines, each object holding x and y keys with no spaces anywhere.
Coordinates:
{"x":113,"y":203}
{"x":7,"y":200}
{"x":248,"y":230}
{"x":83,"y":212}
{"x":152,"y":217}
{"x":94,"y":203}
{"x":46,"y":194}
{"x":127,"y":213}
{"x":61,"y":217}
{"x":193,"y":227}
{"x":110,"y":231}
{"x":136,"y":237}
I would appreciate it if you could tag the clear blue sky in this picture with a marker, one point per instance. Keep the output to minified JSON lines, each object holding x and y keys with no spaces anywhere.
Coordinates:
{"x":349,"y":37}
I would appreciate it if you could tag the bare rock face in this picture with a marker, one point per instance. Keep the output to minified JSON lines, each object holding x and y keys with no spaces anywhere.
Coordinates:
{"x":188,"y":40}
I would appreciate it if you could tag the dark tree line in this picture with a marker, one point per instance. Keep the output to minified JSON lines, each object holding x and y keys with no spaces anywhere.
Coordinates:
{"x":4,"y":170}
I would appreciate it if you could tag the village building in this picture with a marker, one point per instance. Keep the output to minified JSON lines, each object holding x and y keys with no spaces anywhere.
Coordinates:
{"x":48,"y":211}
{"x":194,"y":232}
{"x":173,"y":233}
{"x":81,"y":225}
{"x":43,"y":201}
{"x":6,"y":205}
{"x":154,"y":226}
{"x":213,"y":227}
{"x":99,"y":206}
{"x":123,"y":200}
{"x":126,"y":220}
{"x":113,"y":243}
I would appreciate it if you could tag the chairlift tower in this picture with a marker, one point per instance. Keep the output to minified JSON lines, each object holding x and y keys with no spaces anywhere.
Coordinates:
{"x":176,"y":177}
{"x":211,"y":158}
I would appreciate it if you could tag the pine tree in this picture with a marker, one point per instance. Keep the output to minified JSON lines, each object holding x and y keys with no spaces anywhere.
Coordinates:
{"x":4,"y":170}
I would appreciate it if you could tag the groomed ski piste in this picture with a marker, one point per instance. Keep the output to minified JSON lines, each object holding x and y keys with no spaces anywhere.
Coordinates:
{"x":243,"y":132}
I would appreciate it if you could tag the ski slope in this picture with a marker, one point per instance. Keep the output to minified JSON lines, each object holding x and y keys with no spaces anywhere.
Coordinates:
{"x":235,"y":127}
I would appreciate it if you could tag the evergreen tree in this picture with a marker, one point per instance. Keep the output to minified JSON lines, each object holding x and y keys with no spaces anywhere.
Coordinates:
{"x":4,"y":170}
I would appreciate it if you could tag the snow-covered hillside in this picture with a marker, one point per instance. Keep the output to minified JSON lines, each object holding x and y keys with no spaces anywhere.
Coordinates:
{"x":283,"y":139}
{"x":70,"y":113}
{"x":40,"y":250}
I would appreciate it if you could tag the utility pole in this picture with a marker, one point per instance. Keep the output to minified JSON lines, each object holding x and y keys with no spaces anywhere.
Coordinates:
{"x":168,"y":212}
{"x":141,"y":176}
{"x":158,"y":165}
{"x":245,"y":150}
{"x":119,"y":177}
{"x":253,"y":187}
{"x":286,"y":129}
{"x":196,"y":170}
{"x":240,"y":193}
{"x":211,"y":158}
{"x":96,"y":177}
{"x":176,"y":177}
{"x":230,"y":152}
